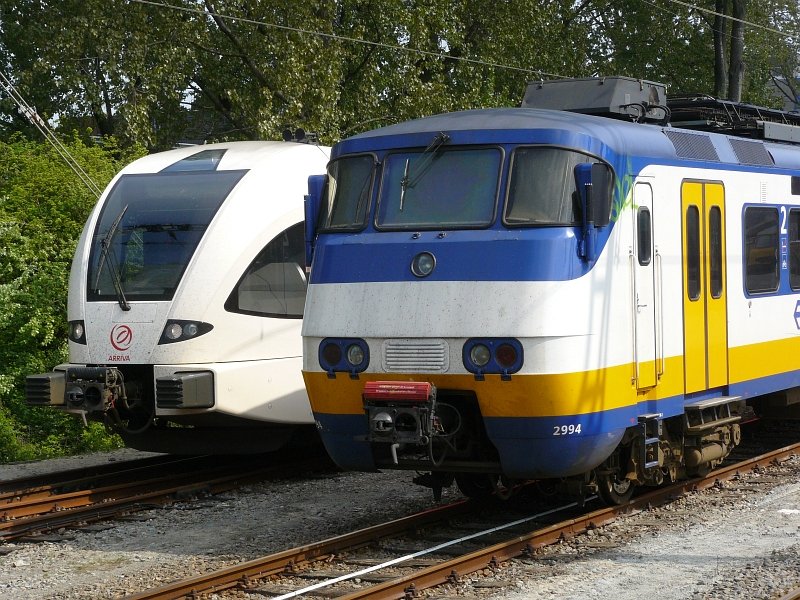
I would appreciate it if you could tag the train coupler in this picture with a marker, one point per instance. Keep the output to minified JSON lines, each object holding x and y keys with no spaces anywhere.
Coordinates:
{"x":400,"y":412}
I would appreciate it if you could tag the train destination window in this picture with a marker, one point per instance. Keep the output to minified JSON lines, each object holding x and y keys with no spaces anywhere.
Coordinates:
{"x":715,"y":250}
{"x":794,"y":249}
{"x":542,"y":189}
{"x":274,"y":284}
{"x":761,"y":249}
{"x":349,"y":191}
{"x":644,"y":236}
{"x":693,"y":271}
{"x":440,"y":188}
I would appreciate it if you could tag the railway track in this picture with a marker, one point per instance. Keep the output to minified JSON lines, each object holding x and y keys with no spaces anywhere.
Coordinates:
{"x":31,"y":506}
{"x":401,"y":558}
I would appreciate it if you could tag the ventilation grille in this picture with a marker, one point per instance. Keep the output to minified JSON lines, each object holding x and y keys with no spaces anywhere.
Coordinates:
{"x":751,"y":153}
{"x":169,"y":392}
{"x":692,"y":145}
{"x":421,"y":356}
{"x":37,"y":389}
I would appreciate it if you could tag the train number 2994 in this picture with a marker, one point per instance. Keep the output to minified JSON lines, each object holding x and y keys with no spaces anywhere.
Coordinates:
{"x":566,"y":429}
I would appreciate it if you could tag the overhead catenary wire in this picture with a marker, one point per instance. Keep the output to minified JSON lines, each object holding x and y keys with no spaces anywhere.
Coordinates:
{"x":730,"y":18}
{"x":37,"y":121}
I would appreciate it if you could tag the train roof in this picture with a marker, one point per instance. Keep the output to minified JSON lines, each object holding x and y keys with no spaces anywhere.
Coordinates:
{"x":597,"y":134}
{"x":237,"y":155}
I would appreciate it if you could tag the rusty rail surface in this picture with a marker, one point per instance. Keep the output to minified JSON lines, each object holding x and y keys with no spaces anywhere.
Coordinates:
{"x":82,"y":476}
{"x":43,"y":510}
{"x":290,"y":561}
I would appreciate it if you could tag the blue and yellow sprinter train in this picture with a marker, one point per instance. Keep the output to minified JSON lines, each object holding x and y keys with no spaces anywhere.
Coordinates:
{"x":580,"y":289}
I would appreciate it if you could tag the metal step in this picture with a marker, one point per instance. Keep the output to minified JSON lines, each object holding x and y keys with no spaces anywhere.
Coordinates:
{"x":702,"y":415}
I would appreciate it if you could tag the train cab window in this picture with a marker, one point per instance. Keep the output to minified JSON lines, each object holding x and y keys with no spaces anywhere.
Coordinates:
{"x":794,"y":249}
{"x":644,"y":236}
{"x":693,"y":272}
{"x":274,"y":285}
{"x":542,"y":189}
{"x":349,"y":191}
{"x":149,"y":229}
{"x":715,"y":251}
{"x":761,"y":249}
{"x":441,"y":188}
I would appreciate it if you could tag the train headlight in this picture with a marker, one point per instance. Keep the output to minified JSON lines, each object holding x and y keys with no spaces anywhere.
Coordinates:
{"x":480,"y":355}
{"x":177,"y":330}
{"x":174,"y":331}
{"x":355,"y":354}
{"x":349,"y":355}
{"x":483,"y":356}
{"x":77,"y":332}
{"x":423,"y":264}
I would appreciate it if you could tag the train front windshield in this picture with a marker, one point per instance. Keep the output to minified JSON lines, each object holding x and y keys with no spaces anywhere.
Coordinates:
{"x":441,"y":189}
{"x":149,"y":229}
{"x":454,"y":188}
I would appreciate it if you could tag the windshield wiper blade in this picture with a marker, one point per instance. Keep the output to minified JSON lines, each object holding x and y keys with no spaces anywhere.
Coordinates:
{"x":107,"y":259}
{"x":426,"y":157}
{"x":404,"y":184}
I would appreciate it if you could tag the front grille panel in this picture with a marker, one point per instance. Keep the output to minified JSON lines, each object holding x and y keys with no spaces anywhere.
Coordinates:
{"x":416,"y":355}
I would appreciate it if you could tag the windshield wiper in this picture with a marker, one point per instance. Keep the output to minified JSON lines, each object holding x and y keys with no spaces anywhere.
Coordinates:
{"x":107,"y":258}
{"x":426,"y":157}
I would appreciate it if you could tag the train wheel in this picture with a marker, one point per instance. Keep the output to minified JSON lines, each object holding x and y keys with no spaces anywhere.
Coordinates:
{"x":613,"y":488}
{"x":482,"y":485}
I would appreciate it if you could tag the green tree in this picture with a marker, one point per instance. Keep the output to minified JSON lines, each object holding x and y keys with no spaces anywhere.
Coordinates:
{"x":43,"y":207}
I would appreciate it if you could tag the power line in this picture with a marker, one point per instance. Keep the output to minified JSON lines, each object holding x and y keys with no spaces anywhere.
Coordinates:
{"x":36,"y":120}
{"x":343,"y":38}
{"x":742,"y":21}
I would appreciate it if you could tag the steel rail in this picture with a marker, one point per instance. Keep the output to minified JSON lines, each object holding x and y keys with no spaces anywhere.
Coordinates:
{"x":41,"y":488}
{"x":292,"y":560}
{"x":38,"y":504}
{"x":83,"y":475}
{"x":492,"y":556}
{"x":142,"y":499}
{"x":447,"y":571}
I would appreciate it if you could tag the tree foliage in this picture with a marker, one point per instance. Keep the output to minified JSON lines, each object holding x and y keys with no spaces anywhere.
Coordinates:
{"x":43,"y":207}
{"x":155,"y":73}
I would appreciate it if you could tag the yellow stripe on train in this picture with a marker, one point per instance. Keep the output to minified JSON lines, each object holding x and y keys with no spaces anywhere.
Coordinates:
{"x":555,"y":395}
{"x":523,"y":396}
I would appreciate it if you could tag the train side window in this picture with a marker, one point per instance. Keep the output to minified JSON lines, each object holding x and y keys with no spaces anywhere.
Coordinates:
{"x":274,"y":285}
{"x":715,"y":250}
{"x":693,"y":272}
{"x":794,"y":249}
{"x":644,"y":236}
{"x":761,"y":249}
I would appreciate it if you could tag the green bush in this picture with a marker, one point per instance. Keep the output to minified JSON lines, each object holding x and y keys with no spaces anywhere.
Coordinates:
{"x":43,"y":207}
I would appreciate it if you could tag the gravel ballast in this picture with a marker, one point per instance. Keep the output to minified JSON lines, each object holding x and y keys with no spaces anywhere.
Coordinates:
{"x":739,"y":541}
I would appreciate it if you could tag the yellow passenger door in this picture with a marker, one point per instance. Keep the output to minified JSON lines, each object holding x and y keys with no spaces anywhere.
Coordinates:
{"x":705,"y":318}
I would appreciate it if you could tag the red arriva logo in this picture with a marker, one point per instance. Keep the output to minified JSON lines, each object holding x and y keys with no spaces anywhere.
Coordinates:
{"x":121,"y":337}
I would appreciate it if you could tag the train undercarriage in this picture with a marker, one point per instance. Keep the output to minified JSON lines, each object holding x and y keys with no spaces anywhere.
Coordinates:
{"x":442,"y":434}
{"x":125,"y":398}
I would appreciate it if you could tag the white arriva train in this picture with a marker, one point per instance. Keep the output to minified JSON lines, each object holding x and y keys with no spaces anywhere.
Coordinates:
{"x":186,"y":299}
